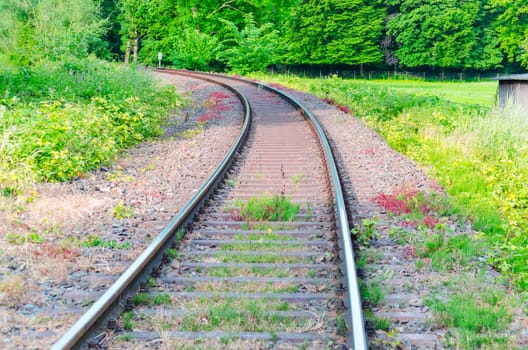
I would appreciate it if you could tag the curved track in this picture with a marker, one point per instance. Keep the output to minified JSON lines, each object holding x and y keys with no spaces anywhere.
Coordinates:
{"x":238,"y":282}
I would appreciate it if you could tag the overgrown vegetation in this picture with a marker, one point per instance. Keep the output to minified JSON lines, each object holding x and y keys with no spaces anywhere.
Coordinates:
{"x":60,"y":120}
{"x":266,"y":208}
{"x":478,"y":154}
{"x":464,"y":298}
{"x":64,"y":112}
{"x":477,"y":317}
{"x":478,"y":35}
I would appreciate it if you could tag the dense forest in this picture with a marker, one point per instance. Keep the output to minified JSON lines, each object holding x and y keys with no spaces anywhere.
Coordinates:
{"x":248,"y":35}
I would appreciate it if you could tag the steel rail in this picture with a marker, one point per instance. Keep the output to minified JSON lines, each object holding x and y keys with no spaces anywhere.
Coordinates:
{"x":111,"y":302}
{"x":359,"y":339}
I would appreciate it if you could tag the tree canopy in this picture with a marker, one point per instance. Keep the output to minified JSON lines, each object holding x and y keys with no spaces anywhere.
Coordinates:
{"x":252,"y":34}
{"x":445,"y":34}
{"x":49,"y":29}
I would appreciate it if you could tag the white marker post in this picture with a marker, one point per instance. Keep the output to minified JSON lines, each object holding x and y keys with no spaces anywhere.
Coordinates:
{"x":160,"y":57}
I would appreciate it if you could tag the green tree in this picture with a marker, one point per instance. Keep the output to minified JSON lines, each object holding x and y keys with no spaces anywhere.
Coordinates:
{"x":10,"y":28}
{"x":335,"y":32}
{"x":135,"y":17}
{"x":306,"y":37}
{"x":355,"y":28}
{"x":445,"y":34}
{"x":112,"y":38}
{"x":512,"y":26}
{"x":188,"y":32}
{"x":194,"y":50}
{"x":49,"y":29}
{"x":251,"y":48}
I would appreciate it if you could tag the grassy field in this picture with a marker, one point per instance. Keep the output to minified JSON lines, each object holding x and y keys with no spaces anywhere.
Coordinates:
{"x":480,"y":93}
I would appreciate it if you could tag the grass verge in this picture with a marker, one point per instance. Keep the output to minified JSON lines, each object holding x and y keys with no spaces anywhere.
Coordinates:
{"x":60,"y":120}
{"x":465,"y":298}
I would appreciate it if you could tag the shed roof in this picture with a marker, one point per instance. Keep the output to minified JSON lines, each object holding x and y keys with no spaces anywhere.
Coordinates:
{"x":514,"y":77}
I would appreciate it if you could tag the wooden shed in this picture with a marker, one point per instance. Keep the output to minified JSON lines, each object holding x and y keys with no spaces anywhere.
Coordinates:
{"x":514,"y":89}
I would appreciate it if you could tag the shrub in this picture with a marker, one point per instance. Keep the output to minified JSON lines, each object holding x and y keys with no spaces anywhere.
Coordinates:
{"x":103,"y":108}
{"x":249,"y":49}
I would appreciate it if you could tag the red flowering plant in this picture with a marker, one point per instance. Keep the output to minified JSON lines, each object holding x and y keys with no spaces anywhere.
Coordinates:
{"x":414,"y":206}
{"x":216,"y":103}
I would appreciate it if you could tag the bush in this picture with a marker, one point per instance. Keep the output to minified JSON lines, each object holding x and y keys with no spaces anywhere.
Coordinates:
{"x":194,"y":50}
{"x":250,"y":49}
{"x":102,"y":109}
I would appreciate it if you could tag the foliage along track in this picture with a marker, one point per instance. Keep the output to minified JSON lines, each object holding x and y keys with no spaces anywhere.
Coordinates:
{"x":259,"y":266}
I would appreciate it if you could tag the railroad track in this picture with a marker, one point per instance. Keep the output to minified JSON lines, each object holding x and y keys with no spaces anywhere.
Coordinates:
{"x":223,"y":274}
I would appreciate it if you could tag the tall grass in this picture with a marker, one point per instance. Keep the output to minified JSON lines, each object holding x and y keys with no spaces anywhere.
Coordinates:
{"x":477,"y":153}
{"x":60,"y":120}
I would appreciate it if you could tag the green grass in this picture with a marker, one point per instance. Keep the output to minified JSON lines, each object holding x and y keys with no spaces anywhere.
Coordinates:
{"x":265,"y":208}
{"x":228,"y":316}
{"x":247,"y":272}
{"x":146,"y":299}
{"x":263,"y":246}
{"x":127,"y":319}
{"x":141,"y":298}
{"x":248,"y":287}
{"x":479,"y":93}
{"x":61,"y":120}
{"x":373,"y":292}
{"x":173,"y":253}
{"x":478,"y":319}
{"x":381,"y":323}
{"x":267,"y":235}
{"x":474,"y":307}
{"x":455,"y":253}
{"x":238,"y":315}
{"x":341,"y":326}
{"x":162,"y":299}
{"x":241,"y":258}
{"x":96,"y":241}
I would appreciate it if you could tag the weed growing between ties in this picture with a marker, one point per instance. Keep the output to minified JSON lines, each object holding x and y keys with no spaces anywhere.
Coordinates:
{"x":265,"y":208}
{"x":150,"y":300}
{"x":426,"y":227}
{"x":250,"y":315}
{"x":479,"y":319}
{"x":366,"y":232}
